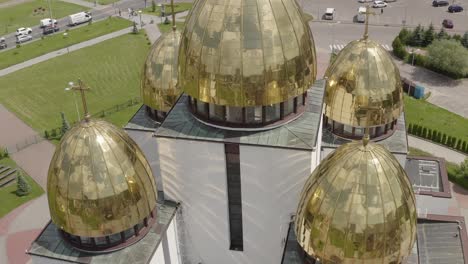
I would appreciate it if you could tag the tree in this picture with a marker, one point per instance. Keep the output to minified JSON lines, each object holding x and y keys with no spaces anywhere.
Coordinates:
{"x":417,"y":36}
{"x":459,"y":144}
{"x":23,"y":188}
{"x":404,"y":36}
{"x":65,"y":125}
{"x":429,"y":134}
{"x":428,"y":36}
{"x":442,"y":34}
{"x":398,"y":48}
{"x":448,"y":57}
{"x":135,"y":28}
{"x":424,"y":132}
{"x":464,"y":40}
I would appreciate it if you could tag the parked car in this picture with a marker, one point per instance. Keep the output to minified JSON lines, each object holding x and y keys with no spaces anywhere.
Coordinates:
{"x":361,"y":14}
{"x":23,"y":31}
{"x":455,"y":8}
{"x":447,"y":23}
{"x":388,"y":1}
{"x":378,"y":4}
{"x":364,"y":1}
{"x":437,"y":3}
{"x":47,"y":22}
{"x":23,"y":38}
{"x":50,"y":29}
{"x":329,"y":13}
{"x":3,"y":44}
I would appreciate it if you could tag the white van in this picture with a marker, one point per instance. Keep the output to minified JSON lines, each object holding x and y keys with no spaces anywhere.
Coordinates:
{"x":329,"y":13}
{"x":46,"y":22}
{"x":78,"y":18}
{"x":361,"y":14}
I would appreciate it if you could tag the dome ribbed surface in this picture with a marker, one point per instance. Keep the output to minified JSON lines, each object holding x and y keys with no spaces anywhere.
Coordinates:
{"x":159,"y":81}
{"x":99,"y":182}
{"x":357,"y":207}
{"x":246,"y":52}
{"x":363,"y":75}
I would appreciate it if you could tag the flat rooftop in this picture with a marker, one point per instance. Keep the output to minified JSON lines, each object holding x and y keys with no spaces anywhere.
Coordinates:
{"x":49,"y":243}
{"x":438,"y":242}
{"x":396,"y":143}
{"x":428,"y":176}
{"x":141,"y":121}
{"x":300,"y":133}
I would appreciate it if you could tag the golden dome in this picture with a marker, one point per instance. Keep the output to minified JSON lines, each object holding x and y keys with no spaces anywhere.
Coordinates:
{"x":159,"y":81}
{"x":246,"y":53}
{"x":99,"y":181}
{"x":357,"y":206}
{"x":363,"y":75}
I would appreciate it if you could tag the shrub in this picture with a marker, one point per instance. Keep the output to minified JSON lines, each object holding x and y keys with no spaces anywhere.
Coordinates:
{"x":398,"y":49}
{"x":410,"y":128}
{"x":464,"y":146}
{"x":153,"y":6}
{"x":424,"y":132}
{"x":429,"y":134}
{"x":442,"y":34}
{"x":448,"y":57}
{"x":53,"y":133}
{"x":439,"y":137}
{"x":464,"y":40}
{"x":23,"y":188}
{"x":444,"y":139}
{"x":428,"y":36}
{"x":46,"y":134}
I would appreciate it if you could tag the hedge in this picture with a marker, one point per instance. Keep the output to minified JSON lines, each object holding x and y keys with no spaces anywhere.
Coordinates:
{"x":438,"y":137}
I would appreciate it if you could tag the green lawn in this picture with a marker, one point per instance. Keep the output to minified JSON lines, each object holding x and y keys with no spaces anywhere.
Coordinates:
{"x":112,"y":69}
{"x":164,"y":28}
{"x":24,"y":15}
{"x":103,"y":2}
{"x":7,"y":194}
{"x":178,"y":8}
{"x":433,"y":117}
{"x":418,"y":152}
{"x":58,"y":41}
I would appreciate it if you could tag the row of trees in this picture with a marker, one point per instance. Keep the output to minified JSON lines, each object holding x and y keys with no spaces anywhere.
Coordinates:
{"x":421,"y":37}
{"x":437,"y":136}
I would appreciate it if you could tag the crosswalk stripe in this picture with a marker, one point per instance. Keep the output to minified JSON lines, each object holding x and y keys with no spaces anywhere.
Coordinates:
{"x":331,"y":47}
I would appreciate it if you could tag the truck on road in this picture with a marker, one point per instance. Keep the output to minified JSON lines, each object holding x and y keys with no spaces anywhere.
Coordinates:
{"x":78,"y":18}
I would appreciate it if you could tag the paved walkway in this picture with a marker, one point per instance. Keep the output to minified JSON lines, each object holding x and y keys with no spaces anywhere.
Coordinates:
{"x":63,"y":51}
{"x":436,"y":150}
{"x":13,"y":3}
{"x":445,"y":92}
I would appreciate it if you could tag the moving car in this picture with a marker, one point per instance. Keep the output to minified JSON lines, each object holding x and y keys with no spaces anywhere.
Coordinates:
{"x":3,"y":44}
{"x":388,"y":1}
{"x":329,"y":13}
{"x":361,"y":15}
{"x":47,"y":22}
{"x":447,"y":23}
{"x":50,"y":29}
{"x":440,"y":3}
{"x":455,"y":8}
{"x":23,"y":31}
{"x":378,"y":4}
{"x":23,"y":38}
{"x":364,"y":1}
{"x":78,"y":18}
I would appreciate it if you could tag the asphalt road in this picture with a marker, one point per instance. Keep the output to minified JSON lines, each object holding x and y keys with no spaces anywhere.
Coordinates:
{"x":97,"y":14}
{"x":414,"y":12}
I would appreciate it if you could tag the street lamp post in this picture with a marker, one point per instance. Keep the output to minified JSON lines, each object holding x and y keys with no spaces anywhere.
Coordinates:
{"x":141,"y":23}
{"x":50,"y":9}
{"x":71,"y":84}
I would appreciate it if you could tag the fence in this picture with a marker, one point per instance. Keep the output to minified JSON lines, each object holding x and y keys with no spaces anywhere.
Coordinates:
{"x":18,"y":146}
{"x":56,"y":133}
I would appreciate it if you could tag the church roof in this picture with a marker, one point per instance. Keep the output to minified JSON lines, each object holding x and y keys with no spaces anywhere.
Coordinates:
{"x":246,"y":53}
{"x":159,"y":80}
{"x":99,"y":181}
{"x":301,"y":133}
{"x":363,"y":75}
{"x":358,"y":205}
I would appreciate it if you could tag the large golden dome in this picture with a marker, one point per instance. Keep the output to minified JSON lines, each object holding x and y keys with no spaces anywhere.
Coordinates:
{"x":99,"y":182}
{"x":159,"y":81}
{"x":363,"y":75}
{"x":246,"y":53}
{"x":357,"y":207}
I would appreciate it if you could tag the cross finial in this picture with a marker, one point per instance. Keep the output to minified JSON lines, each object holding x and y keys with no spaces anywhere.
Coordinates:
{"x":173,"y":16}
{"x":82,"y":88}
{"x":369,"y":110}
{"x":366,"y":28}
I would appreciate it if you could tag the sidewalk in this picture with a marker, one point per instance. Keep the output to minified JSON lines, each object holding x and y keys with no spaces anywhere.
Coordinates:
{"x":445,"y":92}
{"x":63,"y":51}
{"x":13,"y":3}
{"x":436,"y":150}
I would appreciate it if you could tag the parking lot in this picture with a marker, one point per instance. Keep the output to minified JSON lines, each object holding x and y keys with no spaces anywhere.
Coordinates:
{"x":414,"y":12}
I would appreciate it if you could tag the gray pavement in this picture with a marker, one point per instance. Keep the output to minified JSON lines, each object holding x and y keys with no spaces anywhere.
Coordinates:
{"x":85,"y":3}
{"x":436,"y":150}
{"x":13,"y":3}
{"x":63,"y":51}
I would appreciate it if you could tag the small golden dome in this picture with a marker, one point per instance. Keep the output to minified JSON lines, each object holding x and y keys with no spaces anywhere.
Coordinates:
{"x":363,"y":75}
{"x":357,"y":206}
{"x":99,"y":181}
{"x":159,"y":81}
{"x":246,"y":53}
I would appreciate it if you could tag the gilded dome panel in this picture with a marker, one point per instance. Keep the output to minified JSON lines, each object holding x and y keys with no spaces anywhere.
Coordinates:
{"x":99,"y":182}
{"x":363,"y":75}
{"x":246,"y":52}
{"x":159,"y":81}
{"x":357,"y":206}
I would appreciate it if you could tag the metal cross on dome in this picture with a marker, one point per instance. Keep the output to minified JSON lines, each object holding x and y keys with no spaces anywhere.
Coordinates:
{"x":82,"y":88}
{"x":366,"y":28}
